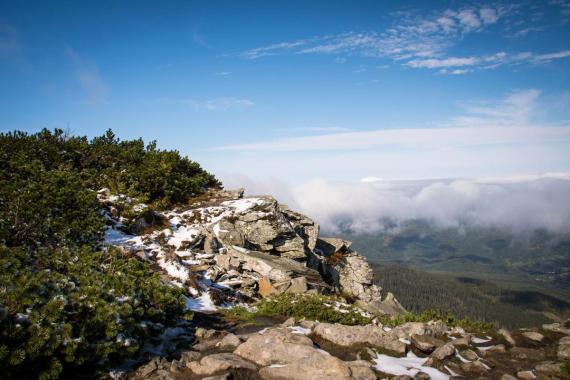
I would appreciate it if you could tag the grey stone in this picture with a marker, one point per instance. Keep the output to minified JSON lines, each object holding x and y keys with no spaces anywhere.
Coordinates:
{"x":526,"y":375}
{"x":432,"y":328}
{"x":291,"y":356}
{"x":476,"y":367}
{"x":212,"y":364}
{"x":469,"y":355}
{"x":506,"y":376}
{"x":443,"y":352}
{"x":347,"y":336}
{"x":360,"y":370}
{"x":421,"y":376}
{"x":189,"y":356}
{"x":563,"y":350}
{"x":229,"y":342}
{"x":426,"y":343}
{"x":533,"y":335}
{"x":298,"y":285}
{"x":548,"y":368}
{"x":508,"y":337}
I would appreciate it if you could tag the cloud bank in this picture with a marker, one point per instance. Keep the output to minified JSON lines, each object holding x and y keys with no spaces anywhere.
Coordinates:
{"x":520,"y":204}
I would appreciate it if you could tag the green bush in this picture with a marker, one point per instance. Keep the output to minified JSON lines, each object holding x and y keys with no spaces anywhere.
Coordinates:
{"x":65,"y":308}
{"x":48,"y":182}
{"x":565,"y":368}
{"x":49,"y":209}
{"x":312,"y":307}
{"x":71,"y":310}
{"x":436,"y":315}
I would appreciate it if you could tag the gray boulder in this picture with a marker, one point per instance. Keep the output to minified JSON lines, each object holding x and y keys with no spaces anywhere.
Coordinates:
{"x":291,"y":356}
{"x":215,"y":363}
{"x":347,"y":336}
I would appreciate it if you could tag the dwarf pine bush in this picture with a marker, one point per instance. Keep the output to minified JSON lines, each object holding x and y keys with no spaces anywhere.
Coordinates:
{"x":72,"y":309}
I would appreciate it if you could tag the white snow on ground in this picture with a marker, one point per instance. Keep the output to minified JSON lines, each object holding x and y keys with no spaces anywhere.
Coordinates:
{"x":479,"y":340}
{"x":300,"y":330}
{"x":116,"y":237}
{"x":202,"y":303}
{"x":450,"y":371}
{"x":182,"y":234}
{"x":409,"y":365}
{"x":462,"y":358}
{"x":184,"y":230}
{"x":405,"y":341}
{"x":244,"y":204}
{"x":174,"y":269}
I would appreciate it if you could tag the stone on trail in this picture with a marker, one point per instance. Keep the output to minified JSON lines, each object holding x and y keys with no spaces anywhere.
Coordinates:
{"x":212,"y":364}
{"x":426,"y":343}
{"x":285,"y":355}
{"x":348,"y":336}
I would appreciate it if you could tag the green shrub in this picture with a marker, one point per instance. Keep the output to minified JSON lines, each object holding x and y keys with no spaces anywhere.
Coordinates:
{"x":436,"y":315}
{"x":63,"y":306}
{"x":49,"y":209}
{"x":70,"y":310}
{"x":48,"y":182}
{"x":313,"y":307}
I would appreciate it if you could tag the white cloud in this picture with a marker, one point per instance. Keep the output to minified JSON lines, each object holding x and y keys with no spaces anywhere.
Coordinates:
{"x":552,"y":56}
{"x":488,"y":15}
{"x":271,"y":49}
{"x":371,"y":179}
{"x":433,"y":63}
{"x":421,"y":40}
{"x":88,"y":76}
{"x":433,"y":138}
{"x":513,"y":111}
{"x":501,"y":138}
{"x":363,"y":207}
{"x":317,"y":129}
{"x":218,"y":104}
{"x":469,"y":19}
{"x":412,"y":35}
{"x":10,"y":42}
{"x":504,"y":121}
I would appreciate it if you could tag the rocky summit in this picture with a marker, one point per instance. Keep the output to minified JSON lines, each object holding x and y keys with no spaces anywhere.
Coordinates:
{"x":227,"y":248}
{"x":236,"y":256}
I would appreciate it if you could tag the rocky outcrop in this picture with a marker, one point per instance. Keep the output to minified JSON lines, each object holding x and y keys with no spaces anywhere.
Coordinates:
{"x":225,"y":249}
{"x":351,"y":275}
{"x":235,"y":248}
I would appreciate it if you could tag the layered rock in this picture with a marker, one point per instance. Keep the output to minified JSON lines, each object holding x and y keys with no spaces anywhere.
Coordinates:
{"x":235,"y":248}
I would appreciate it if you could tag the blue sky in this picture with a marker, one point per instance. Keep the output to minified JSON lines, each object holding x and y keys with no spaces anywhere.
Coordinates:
{"x":291,"y":91}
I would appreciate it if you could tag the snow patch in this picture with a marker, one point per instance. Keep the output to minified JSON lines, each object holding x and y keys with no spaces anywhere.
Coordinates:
{"x":202,"y":303}
{"x":480,"y":340}
{"x":174,"y":269}
{"x":300,"y":330}
{"x":409,"y":365}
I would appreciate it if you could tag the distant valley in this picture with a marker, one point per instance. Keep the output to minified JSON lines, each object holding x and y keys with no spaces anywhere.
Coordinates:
{"x":522,"y":278}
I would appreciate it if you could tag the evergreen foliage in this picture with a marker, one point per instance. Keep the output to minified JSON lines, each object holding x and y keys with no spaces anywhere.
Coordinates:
{"x":483,"y":301}
{"x":72,"y":309}
{"x":48,"y":182}
{"x":309,"y":306}
{"x":64,"y":307}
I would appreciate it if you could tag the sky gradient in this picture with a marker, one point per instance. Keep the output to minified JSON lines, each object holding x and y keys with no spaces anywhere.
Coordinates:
{"x":294,"y":91}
